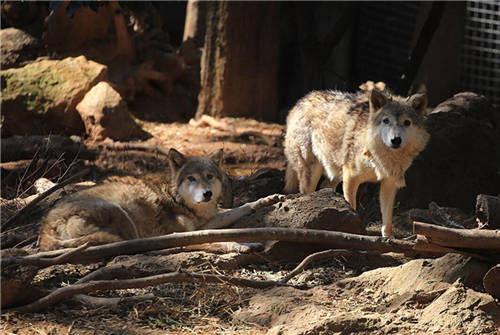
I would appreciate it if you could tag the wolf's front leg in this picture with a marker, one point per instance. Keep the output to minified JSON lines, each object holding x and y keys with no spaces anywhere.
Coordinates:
{"x":388,"y":190}
{"x":227,"y":217}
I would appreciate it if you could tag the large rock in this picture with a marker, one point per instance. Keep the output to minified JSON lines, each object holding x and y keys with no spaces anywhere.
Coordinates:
{"x":41,"y":97}
{"x":324,"y":209}
{"x":461,"y":307}
{"x":462,"y":157}
{"x":18,"y":47}
{"x":105,"y":114}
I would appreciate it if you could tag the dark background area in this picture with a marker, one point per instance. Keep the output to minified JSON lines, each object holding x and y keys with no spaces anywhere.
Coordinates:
{"x":339,"y":45}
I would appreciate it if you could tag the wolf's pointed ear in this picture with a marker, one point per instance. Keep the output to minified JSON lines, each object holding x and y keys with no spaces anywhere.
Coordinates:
{"x":377,"y":100}
{"x":176,"y":159}
{"x":216,"y":156}
{"x":419,"y":102}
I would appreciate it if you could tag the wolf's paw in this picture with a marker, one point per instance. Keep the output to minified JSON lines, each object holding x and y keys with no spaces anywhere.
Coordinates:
{"x":268,"y":201}
{"x":387,"y":232}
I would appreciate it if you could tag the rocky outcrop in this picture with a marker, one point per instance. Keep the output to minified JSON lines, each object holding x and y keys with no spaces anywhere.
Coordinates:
{"x":41,"y":97}
{"x":18,"y":47}
{"x":105,"y":115}
{"x":421,"y":296}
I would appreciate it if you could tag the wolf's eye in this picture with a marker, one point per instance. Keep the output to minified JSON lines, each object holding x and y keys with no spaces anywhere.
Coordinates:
{"x":209,"y":176}
{"x":386,"y":121}
{"x":407,"y":123}
{"x":191,"y":178}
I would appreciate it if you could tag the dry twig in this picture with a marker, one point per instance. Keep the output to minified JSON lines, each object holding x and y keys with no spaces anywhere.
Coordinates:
{"x":44,"y":195}
{"x":318,"y":256}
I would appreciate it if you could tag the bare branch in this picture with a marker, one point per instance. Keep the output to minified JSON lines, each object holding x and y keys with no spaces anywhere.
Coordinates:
{"x":318,"y":256}
{"x":44,"y":261}
{"x":44,"y":195}
{"x":105,"y":285}
{"x":108,"y":272}
{"x":328,"y":238}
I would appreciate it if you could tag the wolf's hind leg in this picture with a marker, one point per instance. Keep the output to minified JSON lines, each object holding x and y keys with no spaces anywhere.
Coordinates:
{"x":309,"y":175}
{"x":291,"y":180}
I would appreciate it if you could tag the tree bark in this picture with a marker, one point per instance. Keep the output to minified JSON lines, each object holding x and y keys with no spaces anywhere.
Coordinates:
{"x":459,"y":238}
{"x":239,"y":61}
{"x":195,"y":23}
{"x":488,"y":211}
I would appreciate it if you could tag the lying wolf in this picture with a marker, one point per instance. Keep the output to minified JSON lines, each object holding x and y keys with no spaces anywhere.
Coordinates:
{"x":117,"y":211}
{"x":354,"y":138}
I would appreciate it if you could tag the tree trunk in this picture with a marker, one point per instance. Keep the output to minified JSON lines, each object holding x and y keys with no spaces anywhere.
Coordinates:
{"x":239,"y":62}
{"x":195,"y":24}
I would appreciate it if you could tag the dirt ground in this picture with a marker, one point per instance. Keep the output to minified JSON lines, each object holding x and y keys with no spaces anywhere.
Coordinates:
{"x":356,"y":294}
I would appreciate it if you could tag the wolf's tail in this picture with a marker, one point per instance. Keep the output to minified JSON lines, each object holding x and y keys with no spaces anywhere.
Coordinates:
{"x":291,"y":181}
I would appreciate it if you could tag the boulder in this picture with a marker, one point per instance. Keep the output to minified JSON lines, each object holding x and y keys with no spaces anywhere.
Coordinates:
{"x":18,"y":47}
{"x":41,"y":97}
{"x":461,"y":307}
{"x":462,"y":157}
{"x":105,"y":114}
{"x":324,"y":209}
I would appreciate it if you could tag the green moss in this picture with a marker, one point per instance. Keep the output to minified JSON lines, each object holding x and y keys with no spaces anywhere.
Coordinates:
{"x":39,"y":85}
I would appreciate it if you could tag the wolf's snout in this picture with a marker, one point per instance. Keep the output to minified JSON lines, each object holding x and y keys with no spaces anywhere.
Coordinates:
{"x":396,"y":142}
{"x":207,"y":195}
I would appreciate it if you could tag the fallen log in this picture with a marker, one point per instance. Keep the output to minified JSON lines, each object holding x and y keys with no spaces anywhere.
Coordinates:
{"x":488,"y":211}
{"x":423,"y":245}
{"x":491,"y":281}
{"x":459,"y":238}
{"x":151,"y":147}
{"x":327,"y":238}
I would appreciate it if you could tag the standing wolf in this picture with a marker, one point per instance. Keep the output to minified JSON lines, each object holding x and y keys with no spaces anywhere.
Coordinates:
{"x":185,"y":200}
{"x":354,"y":138}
